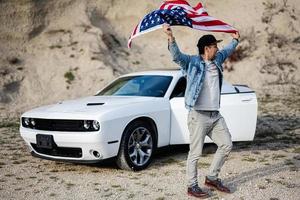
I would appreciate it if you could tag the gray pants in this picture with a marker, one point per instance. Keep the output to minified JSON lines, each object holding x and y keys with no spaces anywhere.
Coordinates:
{"x":212,"y":124}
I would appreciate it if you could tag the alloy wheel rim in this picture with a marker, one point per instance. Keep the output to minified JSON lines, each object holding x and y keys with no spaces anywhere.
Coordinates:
{"x":140,"y":146}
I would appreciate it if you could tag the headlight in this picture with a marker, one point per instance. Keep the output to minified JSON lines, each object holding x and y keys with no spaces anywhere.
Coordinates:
{"x":26,"y":121}
{"x":32,"y":121}
{"x":86,"y":124}
{"x":96,"y":125}
{"x":91,"y":125}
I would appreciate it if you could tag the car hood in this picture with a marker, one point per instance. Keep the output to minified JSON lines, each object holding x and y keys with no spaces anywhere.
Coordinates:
{"x":88,"y":105}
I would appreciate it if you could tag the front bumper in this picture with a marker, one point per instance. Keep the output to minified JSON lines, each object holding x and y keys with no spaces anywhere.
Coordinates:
{"x":66,"y":160}
{"x":79,"y":147}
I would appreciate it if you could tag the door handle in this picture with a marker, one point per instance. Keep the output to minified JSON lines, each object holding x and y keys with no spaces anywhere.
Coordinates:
{"x":246,"y":100}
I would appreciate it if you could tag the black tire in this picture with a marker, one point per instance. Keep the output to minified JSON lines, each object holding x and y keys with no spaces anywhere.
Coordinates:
{"x":137,"y":146}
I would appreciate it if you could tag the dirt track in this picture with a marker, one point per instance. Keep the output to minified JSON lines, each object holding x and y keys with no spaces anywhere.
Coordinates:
{"x":267,"y":168}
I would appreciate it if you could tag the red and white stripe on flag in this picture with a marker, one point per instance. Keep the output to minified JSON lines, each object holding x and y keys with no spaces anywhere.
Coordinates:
{"x":197,"y":15}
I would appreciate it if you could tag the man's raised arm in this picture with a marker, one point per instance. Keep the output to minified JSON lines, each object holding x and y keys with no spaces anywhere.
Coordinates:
{"x":228,"y":49}
{"x":178,"y":57}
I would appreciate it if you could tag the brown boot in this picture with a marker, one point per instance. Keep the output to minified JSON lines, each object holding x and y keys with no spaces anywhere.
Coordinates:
{"x":217,"y":184}
{"x":196,"y":191}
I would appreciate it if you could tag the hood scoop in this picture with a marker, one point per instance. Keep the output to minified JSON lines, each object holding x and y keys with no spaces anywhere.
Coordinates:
{"x":94,"y":104}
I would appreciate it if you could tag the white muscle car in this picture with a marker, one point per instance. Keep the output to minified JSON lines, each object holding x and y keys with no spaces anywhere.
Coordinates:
{"x":129,"y":119}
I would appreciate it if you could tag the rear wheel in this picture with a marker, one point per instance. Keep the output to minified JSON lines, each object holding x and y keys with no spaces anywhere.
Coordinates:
{"x":137,"y":146}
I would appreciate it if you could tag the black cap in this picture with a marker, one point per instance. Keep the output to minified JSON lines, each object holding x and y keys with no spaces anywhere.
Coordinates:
{"x":207,"y":40}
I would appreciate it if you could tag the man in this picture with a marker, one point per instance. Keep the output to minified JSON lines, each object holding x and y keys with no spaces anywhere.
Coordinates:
{"x":202,"y":98}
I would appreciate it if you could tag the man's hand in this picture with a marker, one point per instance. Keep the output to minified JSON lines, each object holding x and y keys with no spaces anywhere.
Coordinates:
{"x":235,"y":35}
{"x":168,"y":31}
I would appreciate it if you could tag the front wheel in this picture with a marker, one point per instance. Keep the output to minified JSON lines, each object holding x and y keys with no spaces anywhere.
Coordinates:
{"x":137,"y":146}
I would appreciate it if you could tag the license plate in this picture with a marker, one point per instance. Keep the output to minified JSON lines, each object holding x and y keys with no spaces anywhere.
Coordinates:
{"x":44,"y":141}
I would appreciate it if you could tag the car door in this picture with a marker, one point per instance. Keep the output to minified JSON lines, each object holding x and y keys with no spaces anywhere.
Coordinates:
{"x":179,"y":129}
{"x":238,"y":107}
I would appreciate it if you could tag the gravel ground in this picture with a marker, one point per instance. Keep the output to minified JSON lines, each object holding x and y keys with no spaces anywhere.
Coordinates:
{"x":267,"y":168}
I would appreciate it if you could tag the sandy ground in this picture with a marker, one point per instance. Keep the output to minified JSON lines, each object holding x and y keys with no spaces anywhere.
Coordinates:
{"x":267,"y":168}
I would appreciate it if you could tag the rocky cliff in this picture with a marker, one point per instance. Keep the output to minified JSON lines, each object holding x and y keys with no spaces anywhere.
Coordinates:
{"x":54,"y":50}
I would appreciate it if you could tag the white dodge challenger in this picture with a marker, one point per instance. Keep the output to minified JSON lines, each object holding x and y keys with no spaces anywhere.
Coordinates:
{"x":129,"y":119}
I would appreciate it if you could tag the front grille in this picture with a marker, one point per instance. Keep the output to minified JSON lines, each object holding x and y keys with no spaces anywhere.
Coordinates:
{"x":59,"y":151}
{"x":59,"y":125}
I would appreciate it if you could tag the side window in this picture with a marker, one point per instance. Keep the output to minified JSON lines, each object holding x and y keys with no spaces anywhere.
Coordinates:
{"x":179,"y":89}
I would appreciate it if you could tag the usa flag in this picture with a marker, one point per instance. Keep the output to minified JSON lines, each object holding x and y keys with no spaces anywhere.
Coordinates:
{"x":180,"y":13}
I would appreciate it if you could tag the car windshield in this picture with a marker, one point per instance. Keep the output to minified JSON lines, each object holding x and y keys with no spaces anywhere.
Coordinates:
{"x":145,"y":85}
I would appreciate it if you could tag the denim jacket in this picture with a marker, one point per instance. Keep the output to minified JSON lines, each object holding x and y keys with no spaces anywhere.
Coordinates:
{"x":193,"y":67}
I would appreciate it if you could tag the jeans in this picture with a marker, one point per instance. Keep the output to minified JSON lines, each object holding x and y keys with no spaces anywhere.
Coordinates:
{"x":212,"y":124}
